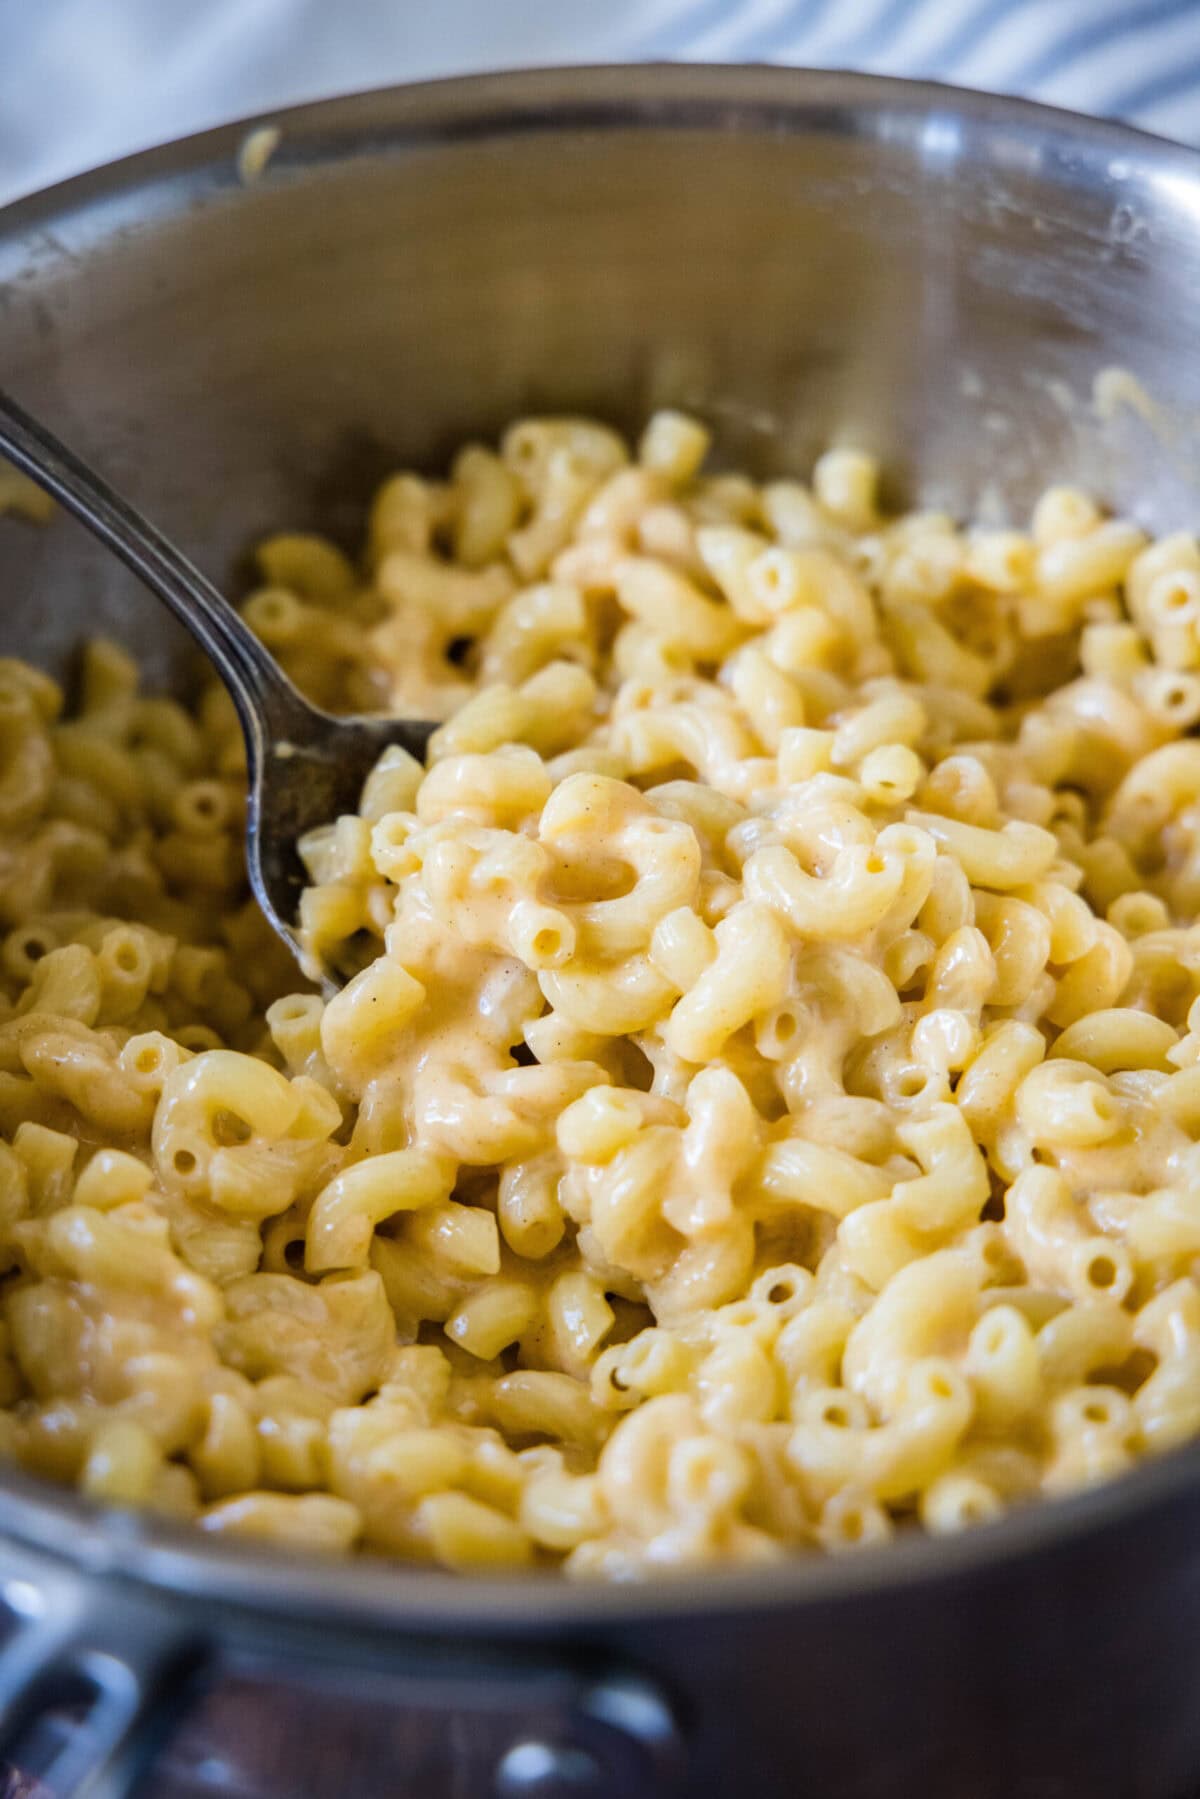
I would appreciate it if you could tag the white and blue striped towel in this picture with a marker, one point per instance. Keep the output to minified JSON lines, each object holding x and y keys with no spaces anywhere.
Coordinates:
{"x":85,"y":80}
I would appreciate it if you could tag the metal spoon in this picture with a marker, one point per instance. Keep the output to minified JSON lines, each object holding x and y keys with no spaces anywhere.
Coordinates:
{"x":305,"y":766}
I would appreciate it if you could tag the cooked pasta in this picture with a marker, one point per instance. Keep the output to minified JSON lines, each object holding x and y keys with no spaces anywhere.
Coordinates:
{"x":762,"y":1110}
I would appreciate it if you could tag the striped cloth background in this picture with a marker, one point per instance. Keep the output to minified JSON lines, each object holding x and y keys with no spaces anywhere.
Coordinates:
{"x":85,"y":80}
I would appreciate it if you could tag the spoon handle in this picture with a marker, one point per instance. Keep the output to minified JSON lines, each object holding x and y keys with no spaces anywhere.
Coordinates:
{"x":262,"y":693}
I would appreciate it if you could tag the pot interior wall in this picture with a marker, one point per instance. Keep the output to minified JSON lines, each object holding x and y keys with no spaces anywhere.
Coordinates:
{"x":802,"y":261}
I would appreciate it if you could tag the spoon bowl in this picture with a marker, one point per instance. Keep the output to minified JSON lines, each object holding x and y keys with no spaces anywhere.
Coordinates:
{"x":304,"y":766}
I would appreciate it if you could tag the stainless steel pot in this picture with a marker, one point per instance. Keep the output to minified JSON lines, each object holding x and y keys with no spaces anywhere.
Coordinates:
{"x":938,"y":276}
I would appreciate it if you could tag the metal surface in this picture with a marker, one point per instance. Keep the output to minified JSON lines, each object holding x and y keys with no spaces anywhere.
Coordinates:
{"x":123,"y":1674}
{"x":304,"y":767}
{"x":159,"y":1695}
{"x":803,"y":259}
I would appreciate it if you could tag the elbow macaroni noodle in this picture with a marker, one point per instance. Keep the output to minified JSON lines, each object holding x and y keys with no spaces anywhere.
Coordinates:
{"x":763,"y":1109}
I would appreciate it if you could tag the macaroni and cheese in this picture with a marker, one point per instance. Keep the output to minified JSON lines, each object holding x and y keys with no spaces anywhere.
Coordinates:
{"x":762,"y":1110}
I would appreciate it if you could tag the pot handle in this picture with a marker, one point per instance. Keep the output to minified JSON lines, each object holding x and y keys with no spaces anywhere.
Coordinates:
{"x":95,"y":1675}
{"x":92,"y":1678}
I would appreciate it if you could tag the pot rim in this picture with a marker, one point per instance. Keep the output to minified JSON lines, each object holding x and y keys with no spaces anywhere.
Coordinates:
{"x":752,"y":99}
{"x":666,"y":96}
